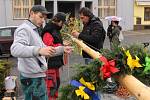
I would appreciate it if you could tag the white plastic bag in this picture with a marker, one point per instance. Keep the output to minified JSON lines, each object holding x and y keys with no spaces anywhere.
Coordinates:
{"x":10,"y":82}
{"x":121,"y":38}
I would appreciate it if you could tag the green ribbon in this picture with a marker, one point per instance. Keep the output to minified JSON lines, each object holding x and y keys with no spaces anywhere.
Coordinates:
{"x":147,"y":65}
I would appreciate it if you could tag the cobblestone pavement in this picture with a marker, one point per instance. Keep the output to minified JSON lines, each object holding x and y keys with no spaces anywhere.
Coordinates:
{"x":68,"y":71}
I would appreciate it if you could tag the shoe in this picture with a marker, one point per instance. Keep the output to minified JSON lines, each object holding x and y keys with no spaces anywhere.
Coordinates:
{"x":110,"y":87}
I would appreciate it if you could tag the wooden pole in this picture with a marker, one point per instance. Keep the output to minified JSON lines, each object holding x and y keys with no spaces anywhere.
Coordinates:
{"x":94,"y":54}
{"x":135,"y":87}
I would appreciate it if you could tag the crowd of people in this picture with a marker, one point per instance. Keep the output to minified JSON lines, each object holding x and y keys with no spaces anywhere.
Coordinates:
{"x":40,"y":50}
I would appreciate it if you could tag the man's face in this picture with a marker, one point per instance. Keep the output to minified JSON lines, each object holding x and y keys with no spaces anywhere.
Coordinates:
{"x":84,"y":19}
{"x":38,"y":18}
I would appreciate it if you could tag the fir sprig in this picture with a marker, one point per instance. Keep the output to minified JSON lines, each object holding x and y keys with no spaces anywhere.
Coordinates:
{"x":92,"y":73}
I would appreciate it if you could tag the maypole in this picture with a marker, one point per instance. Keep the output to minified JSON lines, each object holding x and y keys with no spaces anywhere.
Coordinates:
{"x":134,"y":86}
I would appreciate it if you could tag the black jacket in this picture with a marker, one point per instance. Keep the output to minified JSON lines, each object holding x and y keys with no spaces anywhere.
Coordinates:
{"x":93,"y":34}
{"x":54,"y":30}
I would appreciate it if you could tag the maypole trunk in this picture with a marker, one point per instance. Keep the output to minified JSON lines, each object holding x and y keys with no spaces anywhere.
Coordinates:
{"x":134,"y":86}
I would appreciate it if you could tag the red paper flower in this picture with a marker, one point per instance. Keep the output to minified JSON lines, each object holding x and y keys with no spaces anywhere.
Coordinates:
{"x":108,"y":67}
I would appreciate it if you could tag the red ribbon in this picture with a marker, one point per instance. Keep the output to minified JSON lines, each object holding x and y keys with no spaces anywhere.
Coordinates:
{"x":108,"y":68}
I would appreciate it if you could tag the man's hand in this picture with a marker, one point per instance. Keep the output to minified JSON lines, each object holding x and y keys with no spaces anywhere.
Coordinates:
{"x":47,"y":51}
{"x":75,"y":33}
{"x":68,"y":49}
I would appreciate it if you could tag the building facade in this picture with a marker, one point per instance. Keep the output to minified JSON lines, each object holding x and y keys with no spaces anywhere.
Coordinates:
{"x":13,"y":12}
{"x":121,"y":8}
{"x":141,"y":14}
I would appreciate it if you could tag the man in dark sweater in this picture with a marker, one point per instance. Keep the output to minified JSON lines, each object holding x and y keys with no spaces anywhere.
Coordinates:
{"x":93,"y":33}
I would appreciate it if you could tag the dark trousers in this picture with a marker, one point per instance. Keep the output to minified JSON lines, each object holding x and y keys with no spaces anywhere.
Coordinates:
{"x":34,"y":88}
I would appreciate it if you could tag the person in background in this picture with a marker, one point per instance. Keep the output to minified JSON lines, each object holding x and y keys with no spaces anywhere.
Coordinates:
{"x":93,"y":33}
{"x":30,"y":50}
{"x":51,"y":36}
{"x":113,"y":33}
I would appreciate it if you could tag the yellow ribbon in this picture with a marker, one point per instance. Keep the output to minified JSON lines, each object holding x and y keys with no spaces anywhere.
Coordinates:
{"x":80,"y":92}
{"x":132,"y":63}
{"x":89,"y":85}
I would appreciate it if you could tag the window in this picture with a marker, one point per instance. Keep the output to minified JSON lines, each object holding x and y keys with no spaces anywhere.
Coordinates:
{"x":147,"y":14}
{"x":109,"y":2}
{"x":21,"y":8}
{"x":138,"y":20}
{"x":5,"y":32}
{"x":106,"y":8}
{"x":49,"y":6}
{"x":37,"y":2}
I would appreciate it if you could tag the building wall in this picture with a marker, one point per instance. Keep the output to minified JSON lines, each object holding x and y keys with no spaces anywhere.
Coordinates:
{"x":2,"y":13}
{"x":137,"y":9}
{"x":125,"y":9}
{"x":95,"y":7}
{"x":9,"y":14}
{"x":6,"y":17}
{"x":126,"y":12}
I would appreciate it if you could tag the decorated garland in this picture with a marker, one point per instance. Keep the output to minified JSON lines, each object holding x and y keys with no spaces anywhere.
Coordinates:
{"x":91,"y":78}
{"x":111,"y":64}
{"x":5,"y":67}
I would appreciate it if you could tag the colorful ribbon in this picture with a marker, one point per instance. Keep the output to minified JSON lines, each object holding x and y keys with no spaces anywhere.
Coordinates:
{"x":83,"y":91}
{"x":108,"y":67}
{"x":87,"y":84}
{"x":80,"y":92}
{"x":132,"y":63}
{"x":147,"y":65}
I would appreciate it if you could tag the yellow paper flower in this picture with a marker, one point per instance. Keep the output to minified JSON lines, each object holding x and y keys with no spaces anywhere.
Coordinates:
{"x":80,"y":92}
{"x":132,"y":63}
{"x":87,"y":84}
